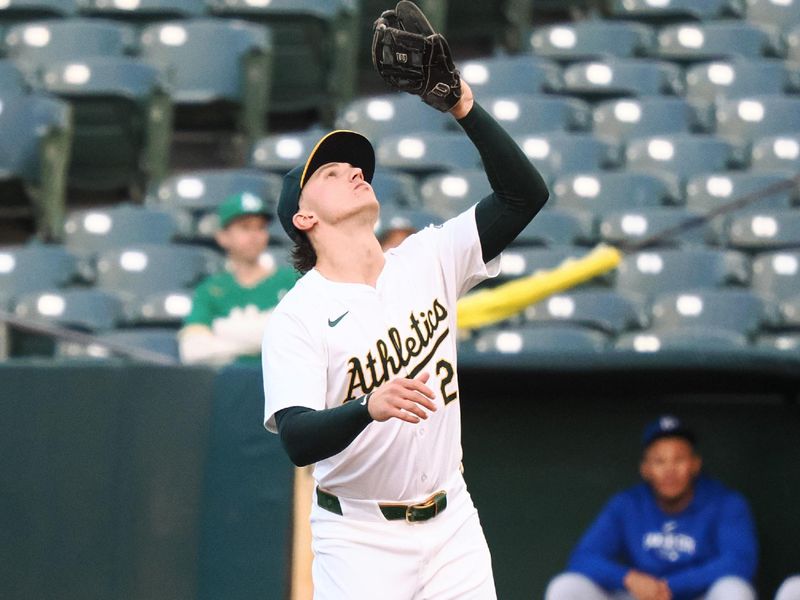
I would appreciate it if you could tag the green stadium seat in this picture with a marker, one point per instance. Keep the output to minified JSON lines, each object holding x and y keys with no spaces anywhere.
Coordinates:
{"x":776,"y":275}
{"x":623,"y":120}
{"x":534,"y":113}
{"x":695,"y":42}
{"x":448,"y":194}
{"x":279,"y":153}
{"x":740,"y":78}
{"x":159,"y":309}
{"x":34,"y":267}
{"x":592,"y":39}
{"x":683,"y":155}
{"x":395,"y":188}
{"x":790,"y":312}
{"x":633,"y":225}
{"x":710,"y":191}
{"x":377,"y":117}
{"x":565,"y":153}
{"x":487,"y":25}
{"x":603,"y":191}
{"x":410,"y":219}
{"x":141,"y":13}
{"x":518,"y":74}
{"x":519,"y":261}
{"x":744,"y":120}
{"x":619,"y":77}
{"x":424,"y":153}
{"x":596,"y":308}
{"x":85,"y":309}
{"x":35,"y":137}
{"x":541,"y":338}
{"x":555,"y":227}
{"x":695,"y":341}
{"x":122,"y":122}
{"x":219,"y":72}
{"x":764,"y":230}
{"x":314,"y":43}
{"x":13,"y":12}
{"x":651,"y":11}
{"x":780,"y":152}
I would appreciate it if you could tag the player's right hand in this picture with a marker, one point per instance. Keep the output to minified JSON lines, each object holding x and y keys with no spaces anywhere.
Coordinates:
{"x":403,"y":399}
{"x":646,"y":587}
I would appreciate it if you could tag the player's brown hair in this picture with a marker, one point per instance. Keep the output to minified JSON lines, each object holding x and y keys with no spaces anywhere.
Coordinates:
{"x":304,"y":257}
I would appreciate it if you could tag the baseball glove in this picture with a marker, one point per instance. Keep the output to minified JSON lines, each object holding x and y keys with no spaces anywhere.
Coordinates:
{"x":410,"y":56}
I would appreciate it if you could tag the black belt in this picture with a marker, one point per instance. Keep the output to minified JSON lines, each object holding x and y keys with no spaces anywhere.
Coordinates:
{"x":411,"y":513}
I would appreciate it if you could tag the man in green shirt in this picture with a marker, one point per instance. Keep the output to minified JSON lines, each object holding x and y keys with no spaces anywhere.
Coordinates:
{"x":230,"y":309}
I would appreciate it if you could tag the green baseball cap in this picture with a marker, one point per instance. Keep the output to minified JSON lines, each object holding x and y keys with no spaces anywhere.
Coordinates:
{"x":337,"y":146}
{"x":242,"y":205}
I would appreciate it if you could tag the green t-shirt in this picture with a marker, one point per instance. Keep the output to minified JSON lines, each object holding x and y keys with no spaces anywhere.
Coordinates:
{"x":220,"y":294}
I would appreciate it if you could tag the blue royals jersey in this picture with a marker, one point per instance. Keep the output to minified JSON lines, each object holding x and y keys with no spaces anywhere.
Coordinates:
{"x":713,"y":537}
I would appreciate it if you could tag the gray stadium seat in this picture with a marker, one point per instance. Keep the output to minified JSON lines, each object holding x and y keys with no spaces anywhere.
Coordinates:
{"x":549,"y":338}
{"x":739,"y":78}
{"x":159,"y":340}
{"x":740,"y":311}
{"x":555,"y":227}
{"x":781,"y":152}
{"x":793,"y":44}
{"x":586,"y":40}
{"x":80,"y":308}
{"x":564,"y":153}
{"x":776,"y":275}
{"x":282,"y":152}
{"x":142,"y":12}
{"x":675,"y":10}
{"x":698,"y":341}
{"x":448,"y":194}
{"x":633,"y":225}
{"x":35,"y":45}
{"x":219,"y":72}
{"x":35,"y":137}
{"x":622,"y":77}
{"x":519,"y":261}
{"x":35,"y":267}
{"x":139,"y":269}
{"x":423,"y":153}
{"x":622,"y":120}
{"x":780,"y":14}
{"x":694,"y":42}
{"x":159,"y":309}
{"x":12,"y":81}
{"x":603,"y":191}
{"x":781,"y":342}
{"x":487,"y":25}
{"x":407,"y":219}
{"x":533,"y":113}
{"x":14,"y":12}
{"x":652,"y":272}
{"x":683,"y":155}
{"x":90,"y":231}
{"x":710,"y":191}
{"x":377,"y":117}
{"x":519,"y":74}
{"x":764,"y":230}
{"x":393,"y":188}
{"x":122,"y":121}
{"x":744,"y":120}
{"x":314,"y":47}
{"x":790,"y":312}
{"x":602,"y":309}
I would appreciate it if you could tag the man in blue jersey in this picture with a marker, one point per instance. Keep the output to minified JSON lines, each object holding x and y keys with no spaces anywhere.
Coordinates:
{"x":679,"y":535}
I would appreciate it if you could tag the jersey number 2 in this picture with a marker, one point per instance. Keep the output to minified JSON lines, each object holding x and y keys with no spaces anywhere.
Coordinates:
{"x":445,"y":366}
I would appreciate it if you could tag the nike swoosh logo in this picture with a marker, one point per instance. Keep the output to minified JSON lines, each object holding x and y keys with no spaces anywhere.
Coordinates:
{"x":364,"y":401}
{"x":335,"y":322}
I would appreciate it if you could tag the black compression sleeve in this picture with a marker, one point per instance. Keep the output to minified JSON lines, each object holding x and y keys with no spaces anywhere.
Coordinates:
{"x":311,"y":435}
{"x":519,"y":191}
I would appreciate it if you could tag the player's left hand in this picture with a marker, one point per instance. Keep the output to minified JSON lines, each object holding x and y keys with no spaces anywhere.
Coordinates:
{"x":464,"y":104}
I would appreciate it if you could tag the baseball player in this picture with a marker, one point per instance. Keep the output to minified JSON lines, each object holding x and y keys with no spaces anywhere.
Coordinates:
{"x":359,"y":358}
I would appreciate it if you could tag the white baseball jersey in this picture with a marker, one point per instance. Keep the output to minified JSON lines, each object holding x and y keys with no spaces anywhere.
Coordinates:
{"x":328,"y":343}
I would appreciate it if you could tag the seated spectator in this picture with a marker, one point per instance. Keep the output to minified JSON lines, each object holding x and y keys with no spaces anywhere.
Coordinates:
{"x":230,"y":309}
{"x":790,"y":589}
{"x":679,"y":535}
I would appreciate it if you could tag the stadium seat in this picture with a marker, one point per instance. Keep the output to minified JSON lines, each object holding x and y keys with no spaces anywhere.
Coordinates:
{"x":776,"y":275}
{"x":793,"y":44}
{"x":660,"y":12}
{"x":279,"y":153}
{"x":122,"y":122}
{"x":393,"y":188}
{"x":781,"y":152}
{"x":159,"y":309}
{"x":555,"y":227}
{"x":633,"y":225}
{"x":35,"y":137}
{"x":518,"y":74}
{"x":622,"y":77}
{"x":622,"y":120}
{"x":764,"y":230}
{"x":604,"y":191}
{"x":549,"y":338}
{"x":314,"y":50}
{"x":743,"y":120}
{"x":377,"y":117}
{"x":519,"y":261}
{"x":790,"y":312}
{"x":80,"y":308}
{"x":588,"y":40}
{"x":740,"y":311}
{"x":219,"y":72}
{"x":157,"y":340}
{"x":139,"y":269}
{"x":695,"y":340}
{"x":141,"y":13}
{"x":683,"y":155}
{"x":424,"y":153}
{"x":740,"y":78}
{"x":710,"y":191}
{"x":13,"y":12}
{"x":533,"y":113}
{"x":694,"y":42}
{"x":486,"y":25}
{"x":34,"y":267}
{"x":448,"y":194}
{"x":402,"y":218}
{"x":602,"y":309}
{"x":652,"y":272}
{"x":782,"y":342}
{"x":87,"y":232}
{"x":780,"y":14}
{"x":12,"y":81}
{"x":565,"y":153}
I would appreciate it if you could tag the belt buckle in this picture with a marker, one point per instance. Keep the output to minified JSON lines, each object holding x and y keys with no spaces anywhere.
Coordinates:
{"x":431,"y":501}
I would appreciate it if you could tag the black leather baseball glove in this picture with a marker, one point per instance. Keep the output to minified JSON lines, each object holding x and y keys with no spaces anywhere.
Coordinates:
{"x":410,"y":56}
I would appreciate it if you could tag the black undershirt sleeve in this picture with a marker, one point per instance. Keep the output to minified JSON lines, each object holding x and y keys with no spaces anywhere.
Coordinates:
{"x":309,"y":436}
{"x":519,"y":191}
